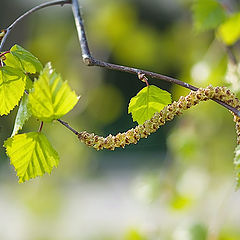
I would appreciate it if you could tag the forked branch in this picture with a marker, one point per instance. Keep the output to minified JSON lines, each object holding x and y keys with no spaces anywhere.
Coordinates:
{"x":89,"y":60}
{"x":132,"y":136}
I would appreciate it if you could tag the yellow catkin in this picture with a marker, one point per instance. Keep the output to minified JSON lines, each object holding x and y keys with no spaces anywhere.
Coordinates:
{"x":167,"y":114}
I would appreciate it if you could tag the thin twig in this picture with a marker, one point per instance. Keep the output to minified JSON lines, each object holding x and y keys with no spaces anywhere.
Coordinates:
{"x":68,"y":126}
{"x":137,"y":71}
{"x":2,"y":54}
{"x":41,"y":6}
{"x":86,"y":55}
{"x":40,"y":127}
{"x":89,"y":60}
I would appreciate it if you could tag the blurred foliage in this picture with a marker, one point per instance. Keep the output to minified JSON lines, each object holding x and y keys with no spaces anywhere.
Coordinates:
{"x":134,"y":234}
{"x":198,"y":232}
{"x":237,"y":164}
{"x":229,"y":233}
{"x":208,"y":14}
{"x":229,"y":31}
{"x":105,"y":104}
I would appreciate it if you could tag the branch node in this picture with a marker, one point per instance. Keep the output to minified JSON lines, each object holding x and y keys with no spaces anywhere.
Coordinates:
{"x":2,"y":33}
{"x":132,"y":136}
{"x":5,"y":32}
{"x":142,"y":77}
{"x":89,"y":61}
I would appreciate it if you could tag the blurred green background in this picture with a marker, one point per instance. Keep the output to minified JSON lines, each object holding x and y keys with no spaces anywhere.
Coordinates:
{"x":176,"y":185}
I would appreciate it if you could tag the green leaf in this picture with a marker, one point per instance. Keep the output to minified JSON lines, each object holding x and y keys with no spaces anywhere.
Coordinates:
{"x":148,"y":101}
{"x":29,"y":83}
{"x":207,"y":14}
{"x":12,"y":84}
{"x":237,"y":165}
{"x":22,"y":115}
{"x":229,"y":31}
{"x":51,"y":98}
{"x":31,"y":154}
{"x":21,"y":58}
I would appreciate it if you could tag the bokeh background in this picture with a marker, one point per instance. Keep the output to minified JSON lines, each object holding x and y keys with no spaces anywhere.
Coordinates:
{"x":176,"y":185}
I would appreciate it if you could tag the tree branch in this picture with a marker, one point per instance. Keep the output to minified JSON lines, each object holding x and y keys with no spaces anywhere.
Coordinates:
{"x":133,"y":135}
{"x":41,"y":6}
{"x":68,"y":126}
{"x":87,"y":57}
{"x":89,"y":60}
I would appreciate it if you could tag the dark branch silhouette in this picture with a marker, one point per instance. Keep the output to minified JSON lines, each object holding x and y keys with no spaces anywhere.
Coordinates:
{"x":6,"y":31}
{"x":89,"y":60}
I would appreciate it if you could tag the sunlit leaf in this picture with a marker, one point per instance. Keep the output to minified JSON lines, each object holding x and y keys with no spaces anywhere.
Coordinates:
{"x":51,"y":98}
{"x":12,"y":84}
{"x":31,"y":154}
{"x":207,"y":14}
{"x":148,"y":101}
{"x":237,"y":165}
{"x":29,"y":83}
{"x":22,"y":115}
{"x":229,"y":31}
{"x":21,"y":58}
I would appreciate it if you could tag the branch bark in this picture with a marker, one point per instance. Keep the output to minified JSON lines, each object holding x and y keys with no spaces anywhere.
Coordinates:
{"x":68,"y":126}
{"x":89,"y":60}
{"x":19,"y":19}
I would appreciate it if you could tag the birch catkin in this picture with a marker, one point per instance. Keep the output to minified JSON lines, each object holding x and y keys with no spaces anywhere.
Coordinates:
{"x":167,"y":114}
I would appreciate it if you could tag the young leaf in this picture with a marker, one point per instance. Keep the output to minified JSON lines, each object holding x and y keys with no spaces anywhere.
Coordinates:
{"x":29,"y":83}
{"x":31,"y":154}
{"x":22,"y":59}
{"x":12,"y":84}
{"x":207,"y":14}
{"x":22,"y":115}
{"x":237,"y":165}
{"x":51,"y":98}
{"x":148,"y":101}
{"x":229,"y":31}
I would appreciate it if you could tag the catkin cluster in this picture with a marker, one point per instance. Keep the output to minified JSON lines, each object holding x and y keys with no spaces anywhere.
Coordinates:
{"x":167,"y":114}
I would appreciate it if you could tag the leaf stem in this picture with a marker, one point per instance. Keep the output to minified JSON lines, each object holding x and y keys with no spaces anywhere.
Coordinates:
{"x":143,"y":78}
{"x":2,"y":54}
{"x":40,"y":127}
{"x":89,"y":60}
{"x":19,"y":19}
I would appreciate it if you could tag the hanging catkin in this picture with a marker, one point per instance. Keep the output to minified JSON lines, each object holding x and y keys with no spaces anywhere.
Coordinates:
{"x":167,"y":114}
